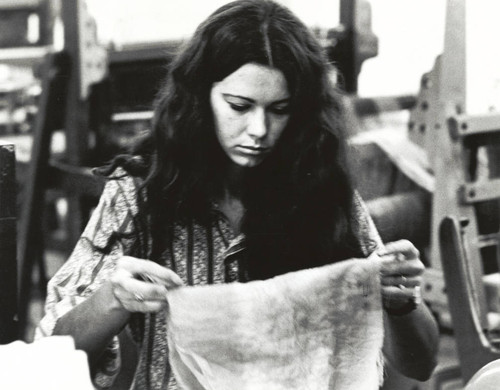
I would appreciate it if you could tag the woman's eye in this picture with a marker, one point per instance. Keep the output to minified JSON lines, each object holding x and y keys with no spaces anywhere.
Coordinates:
{"x":280,"y":110}
{"x":239,"y":107}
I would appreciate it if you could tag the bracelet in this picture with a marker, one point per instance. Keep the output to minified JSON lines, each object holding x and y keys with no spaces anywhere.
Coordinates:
{"x":407,"y":308}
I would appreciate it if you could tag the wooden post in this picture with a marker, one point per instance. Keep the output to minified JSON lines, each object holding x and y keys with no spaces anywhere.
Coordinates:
{"x":46,"y":13}
{"x":358,"y":43}
{"x":8,"y":266}
{"x":77,"y":114}
{"x":88,"y":66}
{"x":30,"y":231}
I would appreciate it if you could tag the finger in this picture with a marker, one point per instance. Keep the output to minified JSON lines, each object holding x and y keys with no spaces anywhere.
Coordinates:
{"x":406,"y":268}
{"x":146,"y":291}
{"x":125,"y":287}
{"x":145,"y":307}
{"x":403,"y":247}
{"x":400,"y":292}
{"x":395,"y":296}
{"x":151,"y":271}
{"x":153,"y":307}
{"x":141,"y":299}
{"x":401,"y":280}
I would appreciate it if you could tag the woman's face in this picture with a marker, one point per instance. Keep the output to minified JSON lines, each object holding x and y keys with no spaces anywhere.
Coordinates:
{"x":251,"y":110}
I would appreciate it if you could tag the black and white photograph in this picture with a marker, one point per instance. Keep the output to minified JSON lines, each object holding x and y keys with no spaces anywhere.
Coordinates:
{"x":249,"y":195}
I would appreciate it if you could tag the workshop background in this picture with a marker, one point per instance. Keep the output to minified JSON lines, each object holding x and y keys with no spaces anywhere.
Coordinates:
{"x":422,"y":89}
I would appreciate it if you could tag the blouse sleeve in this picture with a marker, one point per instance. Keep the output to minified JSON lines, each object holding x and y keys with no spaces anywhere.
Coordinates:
{"x":365,"y":227}
{"x":108,"y":235}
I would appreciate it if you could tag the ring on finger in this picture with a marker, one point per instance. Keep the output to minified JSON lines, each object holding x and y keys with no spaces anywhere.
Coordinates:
{"x":417,"y":295}
{"x":401,"y":285}
{"x":147,"y":278}
{"x":138,"y":297}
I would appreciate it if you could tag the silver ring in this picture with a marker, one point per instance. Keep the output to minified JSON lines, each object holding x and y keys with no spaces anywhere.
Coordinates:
{"x":138,"y":297}
{"x":401,"y":287}
{"x":148,"y":278}
{"x":417,"y":295}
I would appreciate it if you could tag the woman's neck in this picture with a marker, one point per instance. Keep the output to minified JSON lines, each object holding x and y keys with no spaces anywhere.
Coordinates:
{"x":233,"y":210}
{"x":230,"y":203}
{"x":233,"y":179}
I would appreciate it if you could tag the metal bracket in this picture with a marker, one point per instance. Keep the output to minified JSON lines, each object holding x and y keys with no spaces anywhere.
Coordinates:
{"x":479,"y":191}
{"x":470,"y":125}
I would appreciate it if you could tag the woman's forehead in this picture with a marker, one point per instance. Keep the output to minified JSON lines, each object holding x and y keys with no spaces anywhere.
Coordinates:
{"x":255,"y":81}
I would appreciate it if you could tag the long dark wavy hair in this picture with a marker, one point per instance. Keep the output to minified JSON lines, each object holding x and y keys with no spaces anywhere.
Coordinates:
{"x":298,"y":201}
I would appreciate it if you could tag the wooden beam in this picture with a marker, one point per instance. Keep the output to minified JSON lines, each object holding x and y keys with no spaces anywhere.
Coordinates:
{"x":8,"y":266}
{"x":30,"y":237}
{"x":19,"y":4}
{"x":77,"y":119}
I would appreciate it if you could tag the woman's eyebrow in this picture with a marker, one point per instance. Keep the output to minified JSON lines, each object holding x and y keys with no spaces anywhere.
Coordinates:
{"x":285,"y":100}
{"x":230,"y":95}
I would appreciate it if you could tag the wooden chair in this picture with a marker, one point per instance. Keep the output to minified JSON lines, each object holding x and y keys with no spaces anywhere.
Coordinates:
{"x":476,"y":342}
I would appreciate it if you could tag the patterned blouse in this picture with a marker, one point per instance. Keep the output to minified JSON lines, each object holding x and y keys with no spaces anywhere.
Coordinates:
{"x":198,"y":254}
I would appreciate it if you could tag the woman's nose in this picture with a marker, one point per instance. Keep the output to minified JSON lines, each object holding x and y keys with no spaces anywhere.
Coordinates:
{"x":257,"y":124}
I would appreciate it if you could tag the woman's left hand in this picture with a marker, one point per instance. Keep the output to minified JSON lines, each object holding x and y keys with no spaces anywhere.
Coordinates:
{"x":401,"y":277}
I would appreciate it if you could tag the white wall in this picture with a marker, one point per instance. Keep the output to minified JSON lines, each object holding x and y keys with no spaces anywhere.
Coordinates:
{"x":410,"y":32}
{"x":411,"y":35}
{"x":125,"y":21}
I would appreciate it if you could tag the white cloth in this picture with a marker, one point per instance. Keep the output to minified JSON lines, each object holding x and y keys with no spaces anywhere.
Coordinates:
{"x":315,"y":329}
{"x":51,"y":363}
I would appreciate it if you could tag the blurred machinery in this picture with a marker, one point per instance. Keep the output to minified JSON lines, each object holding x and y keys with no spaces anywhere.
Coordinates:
{"x":442,"y":193}
{"x":26,"y":24}
{"x":19,"y":92}
{"x":463,"y":148}
{"x":452,"y":151}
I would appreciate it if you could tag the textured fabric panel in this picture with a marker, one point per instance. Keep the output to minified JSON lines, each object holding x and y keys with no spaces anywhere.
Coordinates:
{"x":315,"y":329}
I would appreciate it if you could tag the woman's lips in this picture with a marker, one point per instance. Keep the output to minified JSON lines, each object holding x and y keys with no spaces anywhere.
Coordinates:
{"x":250,"y":149}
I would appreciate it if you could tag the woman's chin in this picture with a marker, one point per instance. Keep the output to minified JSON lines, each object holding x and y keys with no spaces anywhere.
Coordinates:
{"x":247,"y":162}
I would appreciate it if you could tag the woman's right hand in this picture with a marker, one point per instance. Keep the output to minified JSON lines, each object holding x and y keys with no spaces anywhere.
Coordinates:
{"x":142,"y":285}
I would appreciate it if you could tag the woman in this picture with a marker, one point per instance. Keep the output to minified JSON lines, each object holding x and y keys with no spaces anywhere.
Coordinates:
{"x":242,"y":178}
